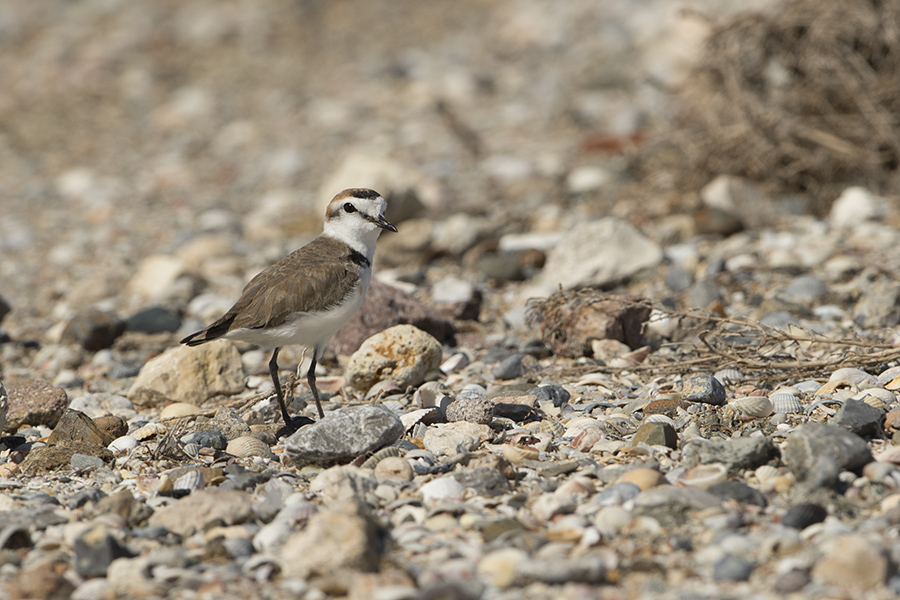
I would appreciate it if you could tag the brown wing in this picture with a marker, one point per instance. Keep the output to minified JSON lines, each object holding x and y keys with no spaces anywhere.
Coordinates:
{"x":307,"y":280}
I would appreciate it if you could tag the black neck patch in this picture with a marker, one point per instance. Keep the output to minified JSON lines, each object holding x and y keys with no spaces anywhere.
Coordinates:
{"x":358,"y":258}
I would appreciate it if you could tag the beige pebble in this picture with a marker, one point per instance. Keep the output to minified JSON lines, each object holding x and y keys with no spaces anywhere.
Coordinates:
{"x":178,"y":409}
{"x":393,"y":468}
{"x":644,"y":478}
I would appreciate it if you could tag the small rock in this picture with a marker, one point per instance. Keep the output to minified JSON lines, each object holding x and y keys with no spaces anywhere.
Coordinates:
{"x":570,"y":321}
{"x":343,"y":435}
{"x":474,"y":410}
{"x":669,"y":504}
{"x":805,"y":289}
{"x":155,"y":319}
{"x":732,"y":568}
{"x":703,"y":388}
{"x":115,"y":426}
{"x":384,"y":307}
{"x":702,"y":294}
{"x":737,"y":453}
{"x":403,"y":353}
{"x":344,"y":536}
{"x":817,"y":452}
{"x":512,"y":367}
{"x":189,"y":374}
{"x":96,"y":405}
{"x":852,"y":563}
{"x":517,"y":407}
{"x":879,"y":306}
{"x":656,"y":434}
{"x":94,"y":550}
{"x":739,"y":491}
{"x":588,"y":569}
{"x":93,"y":329}
{"x":35,"y":402}
{"x":598,"y":253}
{"x":77,"y":427}
{"x":203,"y":507}
{"x":855,"y":205}
{"x":791,"y":581}
{"x":393,"y":468}
{"x":43,"y":579}
{"x":343,"y":482}
{"x":227,"y":422}
{"x":500,"y":566}
{"x":54,"y":458}
{"x":446,"y":441}
{"x":208,"y":438}
{"x":85,"y":462}
{"x":442,"y":488}
{"x":556,"y":394}
{"x":858,"y":417}
{"x":679,"y":279}
{"x":483,"y":481}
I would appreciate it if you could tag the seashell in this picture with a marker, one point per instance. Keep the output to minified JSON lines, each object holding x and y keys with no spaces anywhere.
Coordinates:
{"x":831,"y":387}
{"x":473,"y":390}
{"x":783,"y":402}
{"x":585,"y":440}
{"x":429,"y":394}
{"x":579,"y":424}
{"x":178,"y":409}
{"x":553,"y":427}
{"x":766,"y":473}
{"x":852,"y":375}
{"x":192,"y":449}
{"x":658,"y":418}
{"x":620,"y":424}
{"x":890,"y":455}
{"x":728,"y":376}
{"x":123,"y":444}
{"x":665,"y":394}
{"x":801,"y":516}
{"x":456,"y":363}
{"x":702,"y":476}
{"x":191,"y":481}
{"x":247,"y":446}
{"x":877,"y":397}
{"x":517,"y":454}
{"x":420,"y":415}
{"x":380,"y":456}
{"x":151,"y":484}
{"x":149,"y":430}
{"x":393,"y":468}
{"x":751,"y":406}
{"x":418,"y":430}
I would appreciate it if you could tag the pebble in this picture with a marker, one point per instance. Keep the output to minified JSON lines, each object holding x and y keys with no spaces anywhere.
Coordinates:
{"x":93,"y":329}
{"x":732,"y":568}
{"x":801,"y":516}
{"x":511,"y":367}
{"x":817,"y":452}
{"x":656,"y":434}
{"x":858,"y":417}
{"x":343,"y":435}
{"x":154,"y":319}
{"x":703,"y":388}
{"x":474,"y":410}
{"x":851,"y":563}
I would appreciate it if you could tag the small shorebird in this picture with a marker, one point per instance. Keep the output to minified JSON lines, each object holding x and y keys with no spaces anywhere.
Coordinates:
{"x":310,"y":293}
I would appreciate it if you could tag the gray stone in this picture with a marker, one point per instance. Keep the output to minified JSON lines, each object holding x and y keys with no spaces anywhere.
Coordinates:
{"x":93,"y":329}
{"x":656,"y":434}
{"x":670,"y":505}
{"x":591,"y":569}
{"x":485,"y":481}
{"x":703,"y":388}
{"x":598,"y":253}
{"x":858,"y":417}
{"x":209,"y":438}
{"x":740,"y":491}
{"x":732,"y":568}
{"x":737,"y":453}
{"x":203,"y":507}
{"x":94,"y":550}
{"x":879,"y":306}
{"x":343,"y":435}
{"x":510,"y":368}
{"x":678,"y":278}
{"x":817,"y":452}
{"x":556,"y":394}
{"x":83,"y":462}
{"x":155,"y":319}
{"x":702,"y":294}
{"x":805,"y":288}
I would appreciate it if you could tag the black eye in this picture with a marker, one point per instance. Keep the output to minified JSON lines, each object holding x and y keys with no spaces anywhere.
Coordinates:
{"x":349,"y":208}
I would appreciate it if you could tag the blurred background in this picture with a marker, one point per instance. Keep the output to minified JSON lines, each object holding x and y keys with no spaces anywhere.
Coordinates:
{"x":130,"y":128}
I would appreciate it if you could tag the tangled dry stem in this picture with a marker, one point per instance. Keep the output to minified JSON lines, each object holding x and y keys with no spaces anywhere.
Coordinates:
{"x":800,"y":99}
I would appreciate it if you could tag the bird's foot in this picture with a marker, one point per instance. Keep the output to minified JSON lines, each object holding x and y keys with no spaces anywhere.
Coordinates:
{"x":293,"y":425}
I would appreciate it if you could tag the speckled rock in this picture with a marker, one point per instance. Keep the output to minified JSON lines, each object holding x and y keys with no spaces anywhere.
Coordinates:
{"x":343,"y":435}
{"x":35,"y":402}
{"x":403,"y":353}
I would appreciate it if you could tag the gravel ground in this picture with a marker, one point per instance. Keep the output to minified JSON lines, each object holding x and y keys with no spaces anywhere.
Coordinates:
{"x":569,"y":386}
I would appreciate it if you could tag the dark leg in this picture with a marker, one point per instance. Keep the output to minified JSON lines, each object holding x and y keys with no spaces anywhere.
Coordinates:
{"x":311,"y":380}
{"x":273,"y":371}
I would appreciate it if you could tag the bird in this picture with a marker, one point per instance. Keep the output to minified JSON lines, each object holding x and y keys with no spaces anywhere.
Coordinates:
{"x":308,"y":295}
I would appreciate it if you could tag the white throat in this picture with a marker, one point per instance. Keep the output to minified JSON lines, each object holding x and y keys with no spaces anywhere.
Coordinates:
{"x":356,"y":233}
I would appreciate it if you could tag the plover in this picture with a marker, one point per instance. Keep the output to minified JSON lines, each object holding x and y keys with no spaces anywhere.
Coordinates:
{"x":309,"y":294}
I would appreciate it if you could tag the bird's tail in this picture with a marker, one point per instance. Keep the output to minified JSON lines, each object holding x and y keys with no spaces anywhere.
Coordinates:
{"x":213,"y":332}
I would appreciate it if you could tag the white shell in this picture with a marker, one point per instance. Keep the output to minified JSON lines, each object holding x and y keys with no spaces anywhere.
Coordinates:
{"x":149,"y":430}
{"x":703,"y":476}
{"x":415,"y":417}
{"x":854,"y":376}
{"x":727,"y":376}
{"x":659,"y":418}
{"x":579,"y":424}
{"x":192,"y":449}
{"x":751,"y":406}
{"x":766,"y":473}
{"x":457,"y":362}
{"x":877,"y":397}
{"x":518,"y":454}
{"x":123,"y":444}
{"x":247,"y":446}
{"x":783,"y":402}
{"x":192,"y":481}
{"x":429,"y":394}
